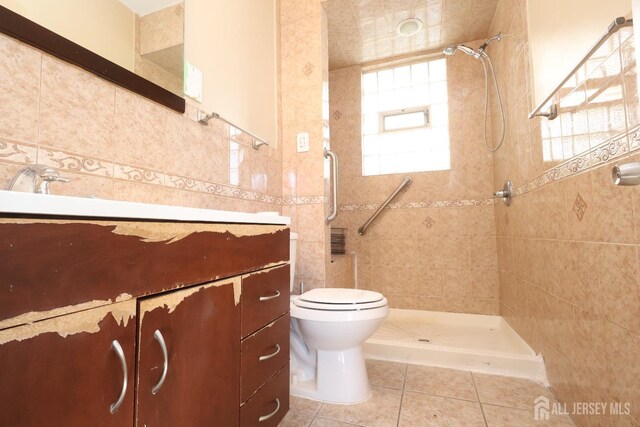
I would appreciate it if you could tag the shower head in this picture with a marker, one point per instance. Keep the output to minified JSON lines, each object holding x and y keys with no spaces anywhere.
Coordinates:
{"x":451,"y":50}
{"x":487,"y":42}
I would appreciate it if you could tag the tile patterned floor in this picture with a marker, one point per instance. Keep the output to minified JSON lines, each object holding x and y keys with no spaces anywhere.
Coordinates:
{"x":407,"y":395}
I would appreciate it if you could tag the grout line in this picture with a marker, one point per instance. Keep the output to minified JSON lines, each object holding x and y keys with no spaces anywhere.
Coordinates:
{"x":342,"y":422}
{"x":404,"y":381}
{"x":475,"y":387}
{"x":444,"y":397}
{"x":39,"y":117}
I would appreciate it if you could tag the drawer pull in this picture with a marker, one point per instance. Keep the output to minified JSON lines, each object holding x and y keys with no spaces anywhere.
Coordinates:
{"x":165,"y":367}
{"x":276,"y":295}
{"x":266,"y":417}
{"x":269,"y":356}
{"x":115,"y":346}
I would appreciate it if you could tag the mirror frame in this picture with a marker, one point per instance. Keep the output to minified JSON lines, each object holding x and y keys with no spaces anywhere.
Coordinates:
{"x":20,"y":28}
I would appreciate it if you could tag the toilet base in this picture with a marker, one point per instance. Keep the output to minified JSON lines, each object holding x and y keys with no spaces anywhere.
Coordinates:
{"x":341,"y":377}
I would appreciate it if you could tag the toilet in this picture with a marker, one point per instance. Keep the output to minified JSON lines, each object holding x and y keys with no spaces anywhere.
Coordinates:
{"x":328,"y":327}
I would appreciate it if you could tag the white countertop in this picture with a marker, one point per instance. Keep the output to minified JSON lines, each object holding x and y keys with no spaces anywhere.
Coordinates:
{"x":14,"y":202}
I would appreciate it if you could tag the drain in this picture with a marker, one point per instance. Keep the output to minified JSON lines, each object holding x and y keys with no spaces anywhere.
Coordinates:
{"x":423,"y":340}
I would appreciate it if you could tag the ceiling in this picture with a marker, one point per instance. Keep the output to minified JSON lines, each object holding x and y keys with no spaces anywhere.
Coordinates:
{"x":362,"y":31}
{"x":145,"y":7}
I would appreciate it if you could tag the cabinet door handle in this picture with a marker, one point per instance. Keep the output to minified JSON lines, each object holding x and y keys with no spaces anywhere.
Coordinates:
{"x":267,"y":298}
{"x":158,"y":336}
{"x":269,"y":356}
{"x":115,"y":346}
{"x":266,"y":417}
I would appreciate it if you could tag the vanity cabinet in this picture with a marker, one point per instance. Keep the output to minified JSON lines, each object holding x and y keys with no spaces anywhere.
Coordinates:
{"x":81,"y":264}
{"x":213,"y":310}
{"x":66,"y":371}
{"x":193,"y":333}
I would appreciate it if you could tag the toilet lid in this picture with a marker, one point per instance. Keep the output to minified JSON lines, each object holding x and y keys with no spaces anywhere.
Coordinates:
{"x":340,"y":299}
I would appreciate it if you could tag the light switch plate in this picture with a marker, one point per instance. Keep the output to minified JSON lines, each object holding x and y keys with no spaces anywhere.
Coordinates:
{"x":302,"y":142}
{"x":192,"y":82}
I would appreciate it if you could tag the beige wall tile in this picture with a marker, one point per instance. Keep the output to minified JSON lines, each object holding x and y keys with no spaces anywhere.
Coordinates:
{"x":77,"y":110}
{"x":19,"y":90}
{"x":569,"y":277}
{"x":139,"y":134}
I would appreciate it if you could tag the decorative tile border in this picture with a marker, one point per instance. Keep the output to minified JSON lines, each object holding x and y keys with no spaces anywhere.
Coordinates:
{"x":420,"y":205}
{"x":15,"y":152}
{"x":619,"y":146}
{"x":21,"y":153}
{"x":24,"y":153}
{"x":304,"y":200}
{"x":136,"y":174}
{"x":76,"y":163}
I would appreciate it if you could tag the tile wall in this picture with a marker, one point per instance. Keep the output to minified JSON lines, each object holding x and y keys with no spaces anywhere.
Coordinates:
{"x":303,"y":46}
{"x":436,"y":248}
{"x":114,"y":144}
{"x":568,"y":246}
{"x":341,"y":271}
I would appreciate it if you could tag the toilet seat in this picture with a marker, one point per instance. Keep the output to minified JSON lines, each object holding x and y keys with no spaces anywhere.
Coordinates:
{"x":340,"y":299}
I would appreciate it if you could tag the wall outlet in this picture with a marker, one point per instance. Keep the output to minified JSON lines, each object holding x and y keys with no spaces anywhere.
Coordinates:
{"x":192,"y":82}
{"x":302,"y":142}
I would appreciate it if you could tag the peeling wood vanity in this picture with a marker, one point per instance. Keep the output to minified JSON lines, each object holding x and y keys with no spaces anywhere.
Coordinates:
{"x":142,"y":322}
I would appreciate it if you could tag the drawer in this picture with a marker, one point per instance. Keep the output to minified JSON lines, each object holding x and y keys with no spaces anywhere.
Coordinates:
{"x":269,"y":406}
{"x":262,"y":355}
{"x":53,"y":264}
{"x":265,"y":297}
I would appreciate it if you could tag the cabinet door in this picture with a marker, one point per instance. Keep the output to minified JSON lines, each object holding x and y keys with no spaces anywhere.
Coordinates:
{"x":66,"y":372}
{"x":200,"y":329}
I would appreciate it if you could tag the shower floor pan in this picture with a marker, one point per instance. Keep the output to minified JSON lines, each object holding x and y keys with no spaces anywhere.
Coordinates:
{"x":470,"y":342}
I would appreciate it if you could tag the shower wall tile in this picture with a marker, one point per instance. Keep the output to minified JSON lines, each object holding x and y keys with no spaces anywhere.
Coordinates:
{"x":433,"y":258}
{"x":117,"y":145}
{"x":569,"y":269}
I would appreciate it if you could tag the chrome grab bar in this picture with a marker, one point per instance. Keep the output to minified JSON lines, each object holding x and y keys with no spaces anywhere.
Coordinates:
{"x":406,"y":181}
{"x":334,"y":178}
{"x":613,"y":28}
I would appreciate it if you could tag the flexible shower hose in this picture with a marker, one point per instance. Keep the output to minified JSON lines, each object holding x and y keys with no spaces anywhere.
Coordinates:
{"x":484,"y":57}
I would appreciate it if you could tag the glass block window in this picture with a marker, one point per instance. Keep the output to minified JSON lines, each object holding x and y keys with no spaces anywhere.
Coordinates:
{"x":405,"y":119}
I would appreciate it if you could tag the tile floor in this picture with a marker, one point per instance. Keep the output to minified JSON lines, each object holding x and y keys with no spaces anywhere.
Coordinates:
{"x":408,"y":395}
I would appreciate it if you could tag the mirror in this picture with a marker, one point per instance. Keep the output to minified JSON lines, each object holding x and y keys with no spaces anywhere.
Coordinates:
{"x":145,"y":37}
{"x":559,"y":40}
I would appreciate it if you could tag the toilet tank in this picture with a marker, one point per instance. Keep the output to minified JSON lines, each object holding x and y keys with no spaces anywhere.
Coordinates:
{"x":293,"y":246}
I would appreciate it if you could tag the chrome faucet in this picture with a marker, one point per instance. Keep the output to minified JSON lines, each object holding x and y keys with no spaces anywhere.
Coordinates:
{"x":26,"y":180}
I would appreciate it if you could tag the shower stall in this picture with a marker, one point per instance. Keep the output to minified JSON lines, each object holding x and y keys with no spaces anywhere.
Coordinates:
{"x":473,"y":283}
